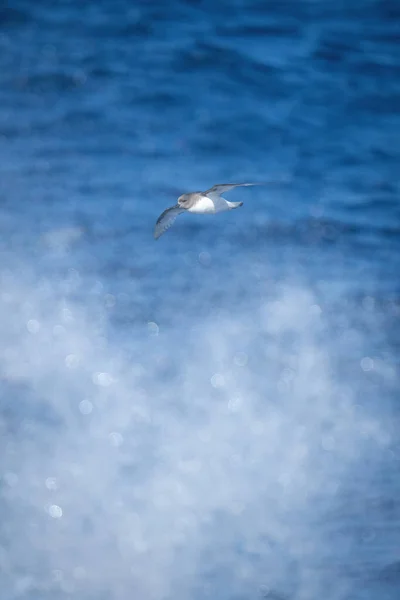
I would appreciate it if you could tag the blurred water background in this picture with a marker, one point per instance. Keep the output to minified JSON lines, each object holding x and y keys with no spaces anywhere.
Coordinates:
{"x":214,"y":415}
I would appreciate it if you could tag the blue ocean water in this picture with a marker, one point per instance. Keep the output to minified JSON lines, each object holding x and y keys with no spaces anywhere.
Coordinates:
{"x":214,"y":415}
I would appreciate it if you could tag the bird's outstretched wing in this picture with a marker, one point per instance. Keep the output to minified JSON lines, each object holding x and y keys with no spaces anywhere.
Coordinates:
{"x":220,"y":188}
{"x":166,"y":219}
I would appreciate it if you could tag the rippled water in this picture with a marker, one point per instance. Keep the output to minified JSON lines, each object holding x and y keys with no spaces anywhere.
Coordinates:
{"x":215,"y":414}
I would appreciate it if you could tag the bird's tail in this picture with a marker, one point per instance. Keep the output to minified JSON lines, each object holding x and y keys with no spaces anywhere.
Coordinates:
{"x":234,"y":204}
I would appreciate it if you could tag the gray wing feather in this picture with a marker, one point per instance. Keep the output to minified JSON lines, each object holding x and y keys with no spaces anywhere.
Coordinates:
{"x":166,"y":219}
{"x":220,"y":188}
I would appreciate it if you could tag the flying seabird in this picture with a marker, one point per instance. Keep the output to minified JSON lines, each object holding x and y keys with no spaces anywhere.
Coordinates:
{"x":209,"y":202}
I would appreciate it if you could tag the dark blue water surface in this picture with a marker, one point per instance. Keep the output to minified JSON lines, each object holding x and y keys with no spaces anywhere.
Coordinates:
{"x":214,"y":415}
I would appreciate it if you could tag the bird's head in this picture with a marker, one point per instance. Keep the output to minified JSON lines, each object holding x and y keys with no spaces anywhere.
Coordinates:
{"x":184,"y":200}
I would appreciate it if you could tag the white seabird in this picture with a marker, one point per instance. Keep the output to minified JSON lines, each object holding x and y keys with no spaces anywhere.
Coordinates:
{"x":209,"y":202}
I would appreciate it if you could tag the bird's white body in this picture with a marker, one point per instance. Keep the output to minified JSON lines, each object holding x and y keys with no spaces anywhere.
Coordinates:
{"x":211,"y":204}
